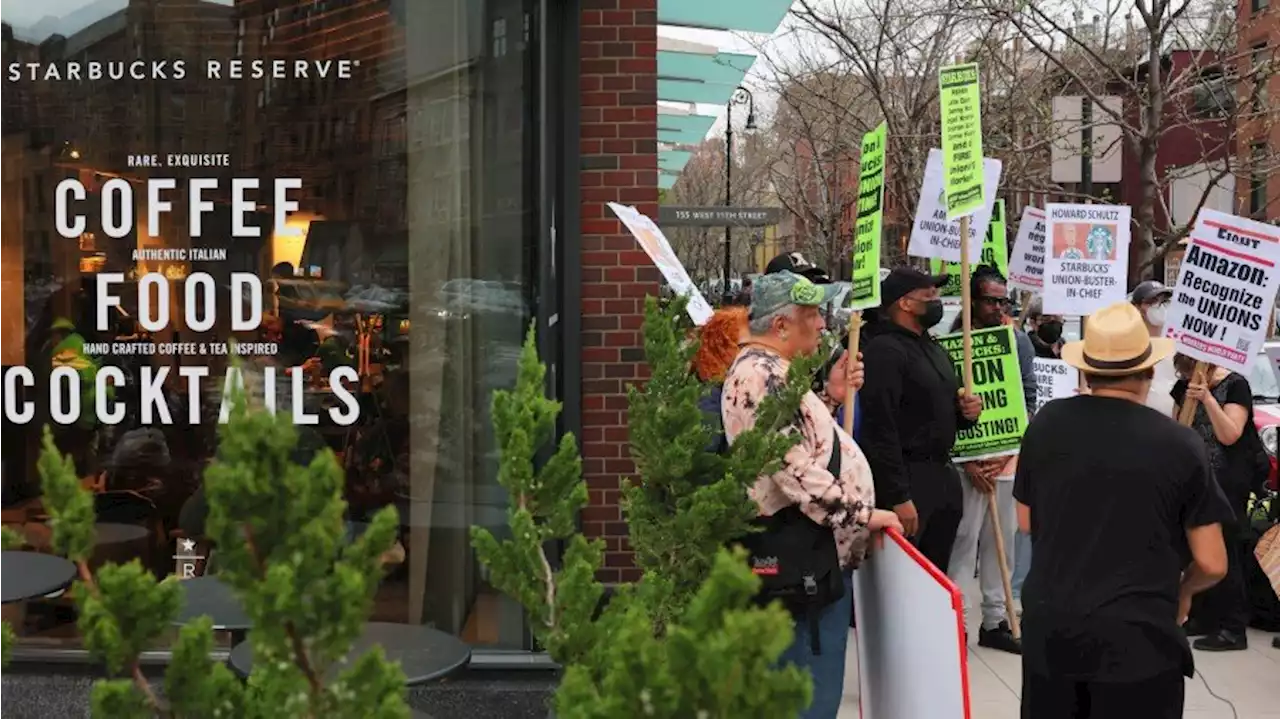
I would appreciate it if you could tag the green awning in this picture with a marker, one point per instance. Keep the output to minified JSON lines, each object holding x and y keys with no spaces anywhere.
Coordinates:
{"x":722,"y":68}
{"x":684,"y":129}
{"x":673,"y":160}
{"x":684,"y":91}
{"x":698,"y":77}
{"x":743,"y":15}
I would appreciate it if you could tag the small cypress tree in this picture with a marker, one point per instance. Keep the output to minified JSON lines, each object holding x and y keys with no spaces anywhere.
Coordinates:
{"x":688,"y":639}
{"x":278,"y":529}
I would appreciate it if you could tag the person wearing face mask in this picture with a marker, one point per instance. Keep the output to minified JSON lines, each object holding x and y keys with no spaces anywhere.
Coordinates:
{"x":1152,"y":300}
{"x":1044,"y":330}
{"x":912,"y":407}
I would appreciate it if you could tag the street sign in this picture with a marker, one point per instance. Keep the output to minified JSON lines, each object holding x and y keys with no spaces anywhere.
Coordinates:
{"x":674,"y":216}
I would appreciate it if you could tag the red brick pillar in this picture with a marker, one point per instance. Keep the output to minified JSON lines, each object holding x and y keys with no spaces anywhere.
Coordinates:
{"x":619,"y":149}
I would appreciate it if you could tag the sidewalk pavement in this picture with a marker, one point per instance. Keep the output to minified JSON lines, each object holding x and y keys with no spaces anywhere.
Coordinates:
{"x":1246,"y":679}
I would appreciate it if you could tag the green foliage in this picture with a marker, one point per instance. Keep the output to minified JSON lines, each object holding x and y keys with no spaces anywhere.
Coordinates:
{"x":718,"y":661}
{"x":544,"y":507}
{"x":10,"y":540}
{"x":689,"y":502}
{"x":688,"y":640}
{"x":279,"y":532}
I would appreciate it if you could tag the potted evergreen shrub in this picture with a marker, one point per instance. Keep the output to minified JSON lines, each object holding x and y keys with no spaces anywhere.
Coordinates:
{"x":687,"y":640}
{"x":280,"y":537}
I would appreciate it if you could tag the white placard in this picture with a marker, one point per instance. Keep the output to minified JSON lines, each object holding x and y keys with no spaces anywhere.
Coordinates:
{"x":933,"y":236}
{"x":658,"y":248}
{"x":1055,"y":379}
{"x":1026,"y":262}
{"x":1086,"y":264}
{"x":912,"y":660}
{"x":1273,"y":357}
{"x":1226,"y":289}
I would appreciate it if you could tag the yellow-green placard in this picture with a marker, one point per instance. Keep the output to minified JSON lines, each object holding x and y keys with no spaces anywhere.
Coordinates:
{"x":997,"y":378}
{"x":961,"y":139}
{"x":995,"y":252}
{"x":866,"y":234}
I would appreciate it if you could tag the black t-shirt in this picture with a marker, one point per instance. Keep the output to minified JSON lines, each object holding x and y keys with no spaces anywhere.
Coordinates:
{"x":1112,"y":486}
{"x":1235,"y":466}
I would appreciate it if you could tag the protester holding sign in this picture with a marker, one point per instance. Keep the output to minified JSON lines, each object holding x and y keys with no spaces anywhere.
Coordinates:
{"x":822,"y":487}
{"x":975,"y":540}
{"x":912,"y":406}
{"x":1224,"y":420}
{"x":1116,"y":498}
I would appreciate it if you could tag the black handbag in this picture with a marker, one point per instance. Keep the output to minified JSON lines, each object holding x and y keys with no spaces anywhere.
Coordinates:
{"x":796,"y":560}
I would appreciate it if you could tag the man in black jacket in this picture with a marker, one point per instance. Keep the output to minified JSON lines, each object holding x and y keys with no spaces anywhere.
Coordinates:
{"x":912,"y":407}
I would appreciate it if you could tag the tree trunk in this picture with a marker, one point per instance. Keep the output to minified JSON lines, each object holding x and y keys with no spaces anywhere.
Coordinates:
{"x":1143,"y":241}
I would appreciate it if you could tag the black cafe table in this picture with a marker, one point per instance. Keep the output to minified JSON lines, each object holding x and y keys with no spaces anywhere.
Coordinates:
{"x":207,"y":596}
{"x":30,"y":575}
{"x":424,"y":654}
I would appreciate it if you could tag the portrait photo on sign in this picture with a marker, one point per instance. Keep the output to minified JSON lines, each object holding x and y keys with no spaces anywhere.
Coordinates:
{"x":1084,"y":241}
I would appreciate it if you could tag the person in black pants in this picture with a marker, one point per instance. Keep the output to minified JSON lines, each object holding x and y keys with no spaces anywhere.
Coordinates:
{"x":1121,"y":504}
{"x":912,"y":407}
{"x":1224,"y":420}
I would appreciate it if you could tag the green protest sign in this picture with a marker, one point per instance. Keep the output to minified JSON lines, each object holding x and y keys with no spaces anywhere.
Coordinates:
{"x":961,"y":139}
{"x":995,"y":252}
{"x":997,"y":378}
{"x":866,"y":236}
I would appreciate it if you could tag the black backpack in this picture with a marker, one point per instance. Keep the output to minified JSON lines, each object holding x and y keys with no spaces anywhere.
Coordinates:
{"x":794,"y":556}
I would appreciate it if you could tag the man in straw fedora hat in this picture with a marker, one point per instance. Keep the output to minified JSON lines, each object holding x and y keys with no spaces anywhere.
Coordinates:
{"x":1125,"y":519}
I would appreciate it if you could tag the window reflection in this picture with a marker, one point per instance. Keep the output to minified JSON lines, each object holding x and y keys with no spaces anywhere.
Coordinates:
{"x":409,"y":259}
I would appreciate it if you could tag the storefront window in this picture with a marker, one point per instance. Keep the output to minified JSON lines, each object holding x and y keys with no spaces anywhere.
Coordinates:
{"x":341,"y":193}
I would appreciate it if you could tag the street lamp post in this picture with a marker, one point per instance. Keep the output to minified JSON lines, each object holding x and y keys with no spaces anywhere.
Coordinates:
{"x":741,"y":96}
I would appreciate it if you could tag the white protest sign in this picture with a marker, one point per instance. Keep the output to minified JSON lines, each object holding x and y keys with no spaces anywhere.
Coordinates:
{"x":1086,"y":264}
{"x":655,"y":244}
{"x":1055,"y":379}
{"x":1273,"y":357}
{"x":1226,"y":288}
{"x":935,"y":237}
{"x":1026,"y":263}
{"x":912,"y":661}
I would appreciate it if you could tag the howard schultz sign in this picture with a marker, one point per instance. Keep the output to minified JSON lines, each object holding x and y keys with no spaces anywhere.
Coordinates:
{"x":673,"y":216}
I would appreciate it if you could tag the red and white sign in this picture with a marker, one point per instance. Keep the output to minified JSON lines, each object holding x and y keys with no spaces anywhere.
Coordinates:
{"x":912,"y":661}
{"x":1226,"y":289}
{"x":1026,"y":263}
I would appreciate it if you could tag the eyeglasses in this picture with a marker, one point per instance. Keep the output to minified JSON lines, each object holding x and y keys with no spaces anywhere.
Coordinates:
{"x":1001,"y":301}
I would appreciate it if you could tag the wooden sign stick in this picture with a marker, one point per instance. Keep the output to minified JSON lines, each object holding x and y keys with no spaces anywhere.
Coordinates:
{"x":1200,"y":375}
{"x":966,"y":313}
{"x":966,"y":319}
{"x":855,"y":329}
{"x":1015,"y":626}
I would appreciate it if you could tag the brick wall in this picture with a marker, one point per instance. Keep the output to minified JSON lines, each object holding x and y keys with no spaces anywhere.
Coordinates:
{"x":619,"y":151}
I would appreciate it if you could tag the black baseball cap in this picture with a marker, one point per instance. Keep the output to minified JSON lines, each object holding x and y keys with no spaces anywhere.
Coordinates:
{"x":1150,"y":290}
{"x":796,"y":263}
{"x":905,"y":280}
